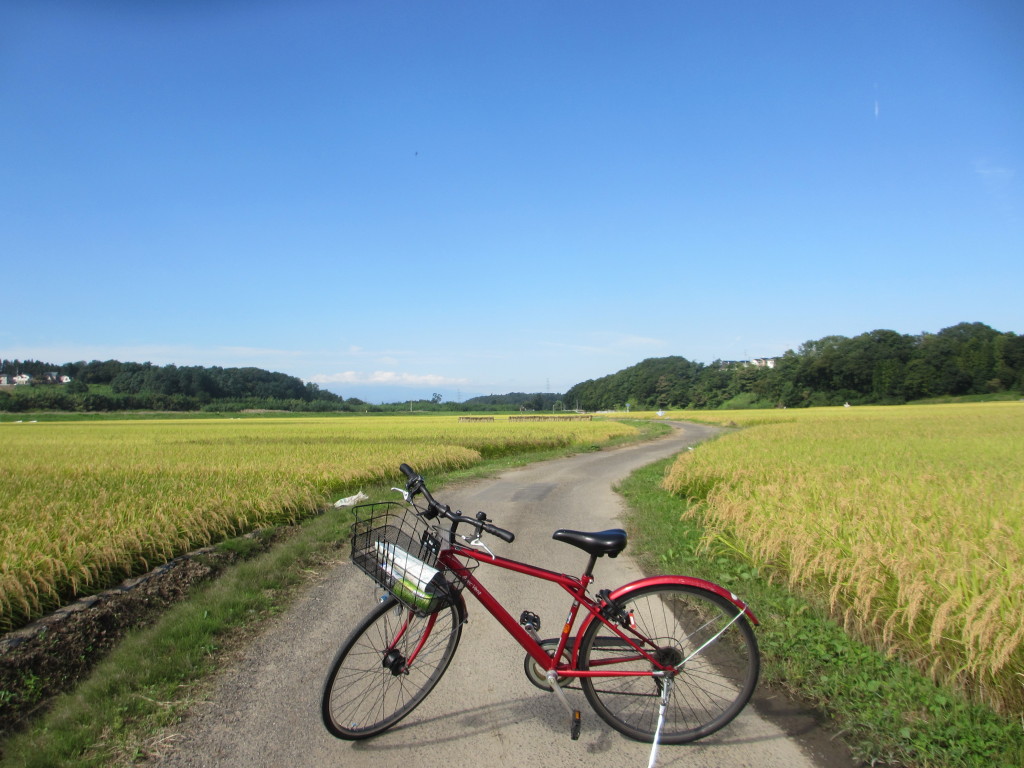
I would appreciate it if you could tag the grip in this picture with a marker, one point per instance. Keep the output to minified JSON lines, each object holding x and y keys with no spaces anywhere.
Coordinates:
{"x":501,"y":533}
{"x":408,"y":471}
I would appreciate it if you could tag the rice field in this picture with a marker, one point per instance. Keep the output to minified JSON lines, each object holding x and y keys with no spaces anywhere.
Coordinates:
{"x":906,"y":520}
{"x":83,"y":505}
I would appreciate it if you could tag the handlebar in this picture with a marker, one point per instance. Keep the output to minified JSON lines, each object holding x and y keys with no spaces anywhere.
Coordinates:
{"x":415,"y":485}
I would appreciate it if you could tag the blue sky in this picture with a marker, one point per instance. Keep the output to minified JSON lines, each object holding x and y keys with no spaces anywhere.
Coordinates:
{"x":395,"y":198}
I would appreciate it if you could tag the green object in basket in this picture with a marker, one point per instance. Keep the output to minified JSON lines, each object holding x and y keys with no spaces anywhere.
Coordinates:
{"x":414,"y":582}
{"x":408,"y":592}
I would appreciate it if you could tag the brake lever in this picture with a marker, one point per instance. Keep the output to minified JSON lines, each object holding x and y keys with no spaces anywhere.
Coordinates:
{"x":405,"y":493}
{"x":476,"y":543}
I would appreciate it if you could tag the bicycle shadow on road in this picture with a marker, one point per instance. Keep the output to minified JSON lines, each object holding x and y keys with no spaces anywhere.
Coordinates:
{"x":527,"y":721}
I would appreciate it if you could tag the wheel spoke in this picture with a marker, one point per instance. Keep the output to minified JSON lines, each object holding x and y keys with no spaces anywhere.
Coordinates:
{"x":693,"y":631}
{"x":386,"y":668}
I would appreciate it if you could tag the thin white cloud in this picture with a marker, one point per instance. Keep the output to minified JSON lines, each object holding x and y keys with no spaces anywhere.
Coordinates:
{"x":258,"y":352}
{"x":388,"y":379}
{"x":625,"y":341}
{"x":999,"y":181}
{"x":614,"y":342}
{"x":995,"y":172}
{"x":158,"y":354}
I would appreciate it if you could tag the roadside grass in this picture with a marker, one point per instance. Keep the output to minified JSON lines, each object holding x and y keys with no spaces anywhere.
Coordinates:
{"x":145,"y":683}
{"x":156,"y":672}
{"x":887,"y":712}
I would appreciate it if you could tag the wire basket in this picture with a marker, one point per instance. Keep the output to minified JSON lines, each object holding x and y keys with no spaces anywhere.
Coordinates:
{"x":397,"y":549}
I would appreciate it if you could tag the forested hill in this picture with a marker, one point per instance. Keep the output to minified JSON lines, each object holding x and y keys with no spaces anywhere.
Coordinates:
{"x":876,"y":367}
{"x":113,"y":385}
{"x":535,"y":402}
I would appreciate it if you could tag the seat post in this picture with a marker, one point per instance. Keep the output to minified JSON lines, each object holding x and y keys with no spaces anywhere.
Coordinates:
{"x":590,"y":566}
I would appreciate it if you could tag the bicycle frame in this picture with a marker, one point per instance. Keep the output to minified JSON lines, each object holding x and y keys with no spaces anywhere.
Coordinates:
{"x":624,"y":648}
{"x":577,"y":588}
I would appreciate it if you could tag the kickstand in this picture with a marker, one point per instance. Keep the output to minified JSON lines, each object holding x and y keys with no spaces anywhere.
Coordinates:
{"x":666,"y":693}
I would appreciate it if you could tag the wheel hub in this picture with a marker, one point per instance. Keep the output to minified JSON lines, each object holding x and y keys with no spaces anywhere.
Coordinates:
{"x":394,"y":661}
{"x":668,"y":656}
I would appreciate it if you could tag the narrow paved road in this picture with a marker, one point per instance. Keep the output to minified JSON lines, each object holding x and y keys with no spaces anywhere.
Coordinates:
{"x":265,"y":708}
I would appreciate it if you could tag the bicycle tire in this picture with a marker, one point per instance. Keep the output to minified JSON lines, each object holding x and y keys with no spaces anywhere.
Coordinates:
{"x":370,"y":688}
{"x":709,"y":689}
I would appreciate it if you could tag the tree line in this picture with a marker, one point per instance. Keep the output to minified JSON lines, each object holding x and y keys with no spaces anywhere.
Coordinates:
{"x":112,"y":385}
{"x":514,"y":401}
{"x":878,"y":367}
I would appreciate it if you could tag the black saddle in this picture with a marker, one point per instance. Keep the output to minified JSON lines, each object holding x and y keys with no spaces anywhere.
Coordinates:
{"x":596,"y":544}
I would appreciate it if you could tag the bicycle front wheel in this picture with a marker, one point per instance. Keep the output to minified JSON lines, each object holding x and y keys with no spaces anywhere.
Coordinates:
{"x":695,"y":631}
{"x":386,"y":667}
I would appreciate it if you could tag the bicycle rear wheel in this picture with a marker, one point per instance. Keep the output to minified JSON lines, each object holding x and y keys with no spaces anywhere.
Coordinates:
{"x":715,"y":676}
{"x":386,"y":667}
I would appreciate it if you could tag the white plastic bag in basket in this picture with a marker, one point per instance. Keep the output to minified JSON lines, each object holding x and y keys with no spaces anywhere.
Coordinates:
{"x":404,"y":567}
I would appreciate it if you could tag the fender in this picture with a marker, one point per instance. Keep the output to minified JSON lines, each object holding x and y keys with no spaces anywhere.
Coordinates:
{"x":686,"y":581}
{"x":461,"y":607}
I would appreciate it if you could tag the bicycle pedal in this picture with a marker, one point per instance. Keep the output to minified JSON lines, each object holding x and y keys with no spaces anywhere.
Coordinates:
{"x":530,"y":620}
{"x":574,"y":728}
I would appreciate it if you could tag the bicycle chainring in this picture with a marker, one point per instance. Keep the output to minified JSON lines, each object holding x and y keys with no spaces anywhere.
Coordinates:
{"x":538,"y":676}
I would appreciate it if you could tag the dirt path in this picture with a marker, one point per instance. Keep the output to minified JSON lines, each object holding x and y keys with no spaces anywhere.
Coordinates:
{"x":264,"y":710}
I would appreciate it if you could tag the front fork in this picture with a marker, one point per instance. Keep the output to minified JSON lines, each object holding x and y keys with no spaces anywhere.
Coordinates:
{"x":393,"y":659}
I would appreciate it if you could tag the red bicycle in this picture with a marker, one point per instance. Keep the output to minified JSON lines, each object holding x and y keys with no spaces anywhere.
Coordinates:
{"x":665,"y":659}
